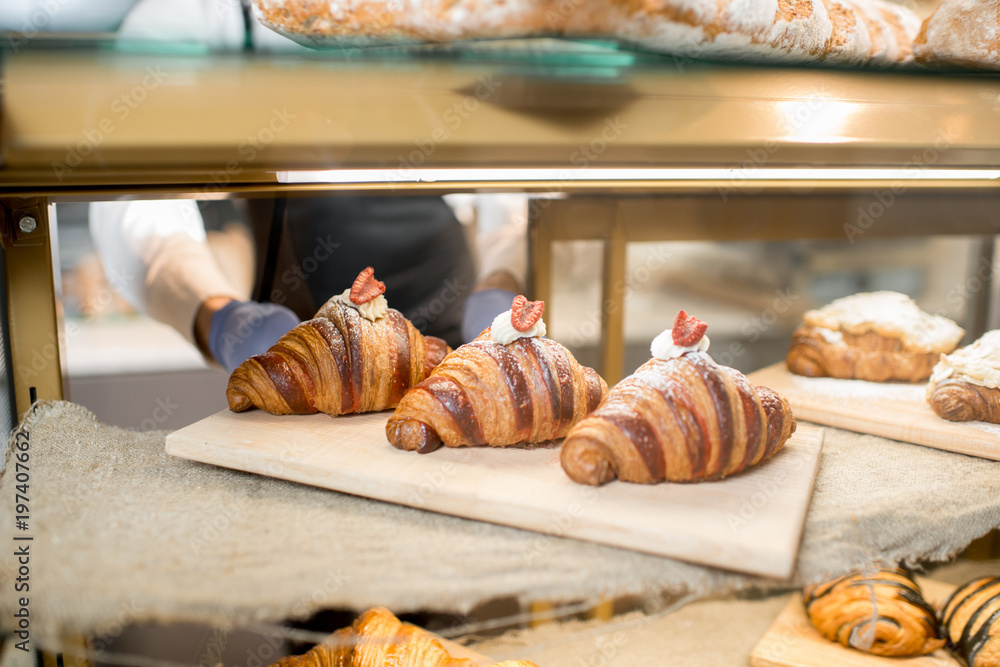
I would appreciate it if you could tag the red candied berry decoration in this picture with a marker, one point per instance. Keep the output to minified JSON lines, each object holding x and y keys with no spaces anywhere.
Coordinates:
{"x":688,"y":330}
{"x":524,"y":313}
{"x":365,"y":287}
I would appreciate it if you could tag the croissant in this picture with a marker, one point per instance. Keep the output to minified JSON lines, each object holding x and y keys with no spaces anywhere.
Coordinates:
{"x":682,"y":420}
{"x":884,"y":613}
{"x":868,"y":356}
{"x":965,"y":385}
{"x":379,"y":639}
{"x":956,"y":400}
{"x":487,"y":393}
{"x":874,"y":336}
{"x":971,"y":619}
{"x":509,"y":386}
{"x":340,"y":362}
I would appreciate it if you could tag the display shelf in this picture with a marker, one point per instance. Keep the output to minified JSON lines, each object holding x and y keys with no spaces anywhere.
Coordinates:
{"x":112,"y":123}
{"x":749,"y":151}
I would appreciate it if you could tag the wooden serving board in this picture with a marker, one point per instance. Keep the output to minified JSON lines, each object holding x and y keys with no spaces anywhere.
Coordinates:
{"x":792,"y":641}
{"x":888,"y":409}
{"x":750,"y":522}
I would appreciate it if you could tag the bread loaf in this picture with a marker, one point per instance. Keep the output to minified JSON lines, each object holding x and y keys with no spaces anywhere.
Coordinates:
{"x":965,"y":33}
{"x":838,"y":31}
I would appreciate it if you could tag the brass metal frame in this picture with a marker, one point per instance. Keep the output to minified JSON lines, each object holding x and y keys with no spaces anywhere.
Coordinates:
{"x":845,"y":214}
{"x":33,"y":308}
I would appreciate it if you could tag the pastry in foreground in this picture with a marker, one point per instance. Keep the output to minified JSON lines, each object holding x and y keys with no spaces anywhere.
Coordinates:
{"x":960,"y":33}
{"x":806,"y":31}
{"x":971,"y":620}
{"x":379,"y":639}
{"x":882,"y":612}
{"x":876,"y":336}
{"x":680,"y":417}
{"x":509,"y":386}
{"x":965,"y":385}
{"x":356,"y":355}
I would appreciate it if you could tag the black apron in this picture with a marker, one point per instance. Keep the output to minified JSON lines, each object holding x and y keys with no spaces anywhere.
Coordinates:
{"x":415,"y":244}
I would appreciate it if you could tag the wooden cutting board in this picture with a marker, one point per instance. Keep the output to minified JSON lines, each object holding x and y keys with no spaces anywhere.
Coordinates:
{"x":889,"y":409}
{"x":751,"y":522}
{"x":792,"y":641}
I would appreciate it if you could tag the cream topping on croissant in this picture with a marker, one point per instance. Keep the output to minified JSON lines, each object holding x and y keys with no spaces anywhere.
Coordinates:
{"x":889,"y":314}
{"x":502,"y":330}
{"x":370,"y":310}
{"x":978,"y":363}
{"x":663,"y":346}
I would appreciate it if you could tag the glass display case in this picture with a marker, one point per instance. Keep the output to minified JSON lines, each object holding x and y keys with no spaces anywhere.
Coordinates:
{"x":612,"y":147}
{"x":617,"y":146}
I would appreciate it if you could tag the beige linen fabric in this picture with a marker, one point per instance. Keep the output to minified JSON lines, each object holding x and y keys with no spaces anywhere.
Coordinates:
{"x":125,"y":533}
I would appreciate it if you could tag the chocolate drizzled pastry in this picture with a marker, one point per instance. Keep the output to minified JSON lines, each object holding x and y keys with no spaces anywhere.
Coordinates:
{"x":881,"y":612}
{"x":970,"y":618}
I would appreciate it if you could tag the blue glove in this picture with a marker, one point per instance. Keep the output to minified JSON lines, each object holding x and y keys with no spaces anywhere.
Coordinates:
{"x":481,"y":308}
{"x":241,"y":329}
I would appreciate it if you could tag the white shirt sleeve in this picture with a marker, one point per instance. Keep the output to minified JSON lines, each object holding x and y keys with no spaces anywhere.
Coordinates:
{"x":502,"y":235}
{"x":155,"y":254}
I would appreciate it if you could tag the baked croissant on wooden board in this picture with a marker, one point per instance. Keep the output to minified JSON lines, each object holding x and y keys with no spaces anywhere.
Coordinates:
{"x":379,"y":639}
{"x":681,"y":419}
{"x":970,"y":618}
{"x":528,"y":389}
{"x":965,"y":385}
{"x":866,"y":356}
{"x":345,"y":360}
{"x":874,"y":336}
{"x":882,"y":612}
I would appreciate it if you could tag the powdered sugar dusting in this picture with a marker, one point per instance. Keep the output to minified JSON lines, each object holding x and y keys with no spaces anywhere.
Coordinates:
{"x":992,"y":429}
{"x":889,"y":314}
{"x":857,"y":389}
{"x":781,"y":30}
{"x":978,"y":363}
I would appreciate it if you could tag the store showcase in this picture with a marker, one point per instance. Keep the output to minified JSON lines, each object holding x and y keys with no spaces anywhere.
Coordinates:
{"x":524,"y":333}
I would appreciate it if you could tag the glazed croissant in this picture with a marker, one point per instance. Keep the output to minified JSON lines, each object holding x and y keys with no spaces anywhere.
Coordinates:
{"x":884,"y":614}
{"x":337,"y":363}
{"x":487,"y":393}
{"x":681,"y":420}
{"x":379,"y":639}
{"x":971,"y":619}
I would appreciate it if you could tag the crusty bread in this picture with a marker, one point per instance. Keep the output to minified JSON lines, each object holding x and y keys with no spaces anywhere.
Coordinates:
{"x":840,"y":31}
{"x":961,"y":32}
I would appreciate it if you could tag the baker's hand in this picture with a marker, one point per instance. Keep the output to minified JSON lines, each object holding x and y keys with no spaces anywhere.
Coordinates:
{"x":241,"y":329}
{"x":481,"y":308}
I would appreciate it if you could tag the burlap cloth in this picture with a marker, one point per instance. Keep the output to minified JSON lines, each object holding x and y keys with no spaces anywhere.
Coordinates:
{"x":123,"y":533}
